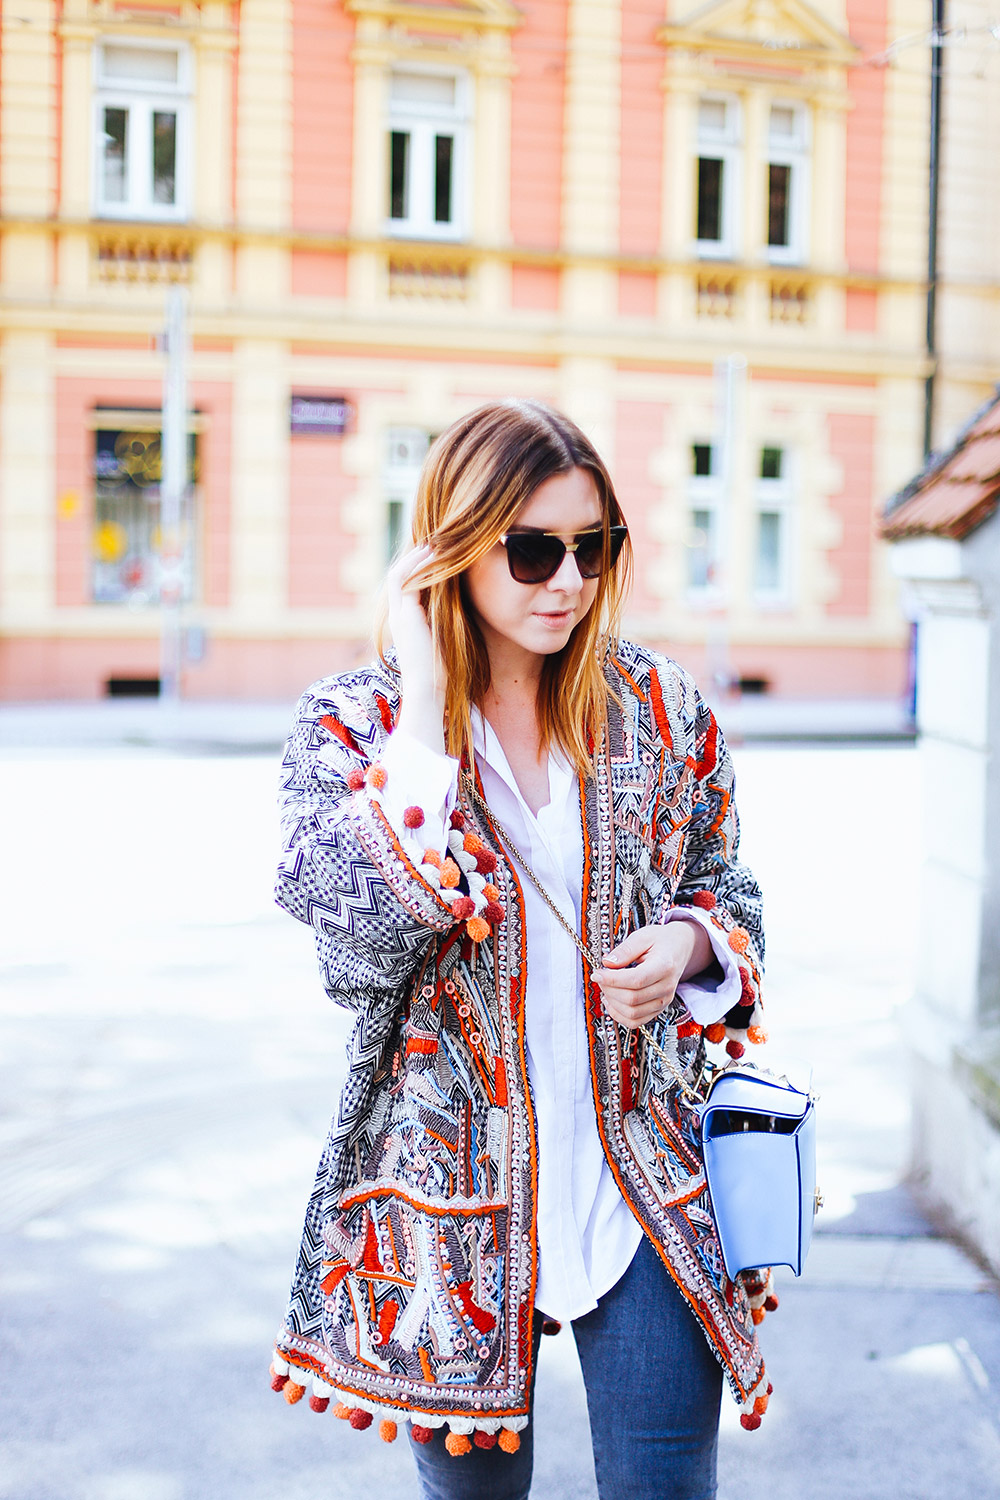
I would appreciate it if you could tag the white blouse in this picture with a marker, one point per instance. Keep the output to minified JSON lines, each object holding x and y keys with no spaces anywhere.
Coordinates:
{"x":587,"y":1235}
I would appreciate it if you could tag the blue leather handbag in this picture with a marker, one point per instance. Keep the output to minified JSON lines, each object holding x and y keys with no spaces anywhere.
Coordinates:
{"x":759,"y":1140}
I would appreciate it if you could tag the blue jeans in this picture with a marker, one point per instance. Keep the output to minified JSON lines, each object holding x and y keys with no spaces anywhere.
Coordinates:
{"x":653,"y":1391}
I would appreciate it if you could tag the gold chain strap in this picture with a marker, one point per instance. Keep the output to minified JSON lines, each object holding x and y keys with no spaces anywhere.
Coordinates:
{"x":690,"y":1091}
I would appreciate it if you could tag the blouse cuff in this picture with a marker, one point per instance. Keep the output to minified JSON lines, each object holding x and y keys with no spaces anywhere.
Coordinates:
{"x":416,"y":776}
{"x":707,"y":996}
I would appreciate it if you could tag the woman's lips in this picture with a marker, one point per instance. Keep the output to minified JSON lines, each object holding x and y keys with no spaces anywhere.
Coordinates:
{"x":555,"y":618}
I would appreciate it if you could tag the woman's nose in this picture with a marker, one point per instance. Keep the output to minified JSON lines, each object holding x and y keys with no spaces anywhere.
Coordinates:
{"x":567,"y":579}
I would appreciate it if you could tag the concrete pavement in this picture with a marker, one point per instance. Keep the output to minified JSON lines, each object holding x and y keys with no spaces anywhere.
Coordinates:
{"x":167,"y":1069}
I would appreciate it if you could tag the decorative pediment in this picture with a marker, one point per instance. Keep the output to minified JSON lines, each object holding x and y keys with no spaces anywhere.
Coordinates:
{"x":776,"y":32}
{"x":440,"y":15}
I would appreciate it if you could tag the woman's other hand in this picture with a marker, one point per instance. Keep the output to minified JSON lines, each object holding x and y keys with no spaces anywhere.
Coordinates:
{"x":640,"y":977}
{"x":422,"y":684}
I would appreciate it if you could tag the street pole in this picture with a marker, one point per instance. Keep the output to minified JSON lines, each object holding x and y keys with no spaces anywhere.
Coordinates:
{"x":934,"y":175}
{"x":173,"y":484}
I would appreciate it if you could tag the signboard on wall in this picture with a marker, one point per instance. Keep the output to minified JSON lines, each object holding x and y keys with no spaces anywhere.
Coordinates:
{"x":321,"y":416}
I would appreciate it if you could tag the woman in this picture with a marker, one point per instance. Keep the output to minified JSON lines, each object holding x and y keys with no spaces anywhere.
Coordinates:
{"x":514,"y":1146}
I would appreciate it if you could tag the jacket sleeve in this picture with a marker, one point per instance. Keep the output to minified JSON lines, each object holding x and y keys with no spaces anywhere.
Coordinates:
{"x":714,"y":879}
{"x":343,"y":870}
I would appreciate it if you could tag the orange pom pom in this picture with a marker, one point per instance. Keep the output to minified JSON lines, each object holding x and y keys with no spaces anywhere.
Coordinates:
{"x":342,"y":1410}
{"x":356,"y":779}
{"x":490,"y":892}
{"x":477,"y":928}
{"x":760,"y":1405}
{"x":294,"y":1392}
{"x":716,"y":1032}
{"x":457,"y":1444}
{"x":450,"y":874}
{"x":432,"y":857}
{"x":758,"y":1314}
{"x":473,"y":844}
{"x":509,"y":1441}
{"x":757,"y":1035}
{"x":376,"y":776}
{"x":387,"y":1431}
{"x":739,"y":940}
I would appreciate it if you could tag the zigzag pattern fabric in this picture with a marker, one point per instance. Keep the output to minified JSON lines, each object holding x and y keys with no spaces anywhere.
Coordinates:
{"x":414,"y":1289}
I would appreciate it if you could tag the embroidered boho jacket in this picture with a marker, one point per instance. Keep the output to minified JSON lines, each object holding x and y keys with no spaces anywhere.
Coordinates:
{"x":414,"y":1289}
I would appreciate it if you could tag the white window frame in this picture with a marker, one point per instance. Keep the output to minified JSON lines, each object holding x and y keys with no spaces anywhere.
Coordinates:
{"x":792,"y":152}
{"x":423,"y":122}
{"x":141,"y":99}
{"x":725,"y":145}
{"x":405,"y":449}
{"x":776,"y":497}
{"x":705,"y":492}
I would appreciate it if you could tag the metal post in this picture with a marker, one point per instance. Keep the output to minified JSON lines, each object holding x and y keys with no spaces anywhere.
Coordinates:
{"x":934,"y":174}
{"x":173,"y":484}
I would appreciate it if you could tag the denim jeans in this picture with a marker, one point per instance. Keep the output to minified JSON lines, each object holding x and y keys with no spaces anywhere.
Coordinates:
{"x":653,"y":1392}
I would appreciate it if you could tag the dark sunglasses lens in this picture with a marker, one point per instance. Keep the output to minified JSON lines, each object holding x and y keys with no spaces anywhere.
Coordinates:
{"x":590,"y":555}
{"x":533,"y":559}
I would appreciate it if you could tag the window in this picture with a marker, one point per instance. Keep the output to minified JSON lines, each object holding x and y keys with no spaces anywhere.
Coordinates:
{"x":786,"y":184}
{"x":772,"y":545}
{"x":405,"y":451}
{"x":717,"y":183}
{"x":126,"y":544}
{"x":704,"y":538}
{"x":428,"y":149}
{"x":140,"y":131}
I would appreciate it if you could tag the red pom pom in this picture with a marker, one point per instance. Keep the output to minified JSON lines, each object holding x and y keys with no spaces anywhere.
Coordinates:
{"x":704,"y":899}
{"x":360,"y":1418}
{"x":457,"y":820}
{"x":688,"y":1028}
{"x":278,"y":1382}
{"x":485,"y":1439}
{"x":421,"y":1434}
{"x":486,"y":862}
{"x":319,"y":1403}
{"x":413,"y":817}
{"x":356,"y":779}
{"x":494,"y":912}
{"x":750,"y":1421}
{"x":735,"y":1049}
{"x":772,"y":1304}
{"x":770,"y":1389}
{"x":747,"y":995}
{"x":716,"y":1032}
{"x":464,"y":907}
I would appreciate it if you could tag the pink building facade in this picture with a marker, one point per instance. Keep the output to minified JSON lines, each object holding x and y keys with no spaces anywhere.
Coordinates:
{"x":697,"y":231}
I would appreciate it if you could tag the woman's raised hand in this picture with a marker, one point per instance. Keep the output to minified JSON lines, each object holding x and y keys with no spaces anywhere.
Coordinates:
{"x":420,"y":668}
{"x":639,"y":977}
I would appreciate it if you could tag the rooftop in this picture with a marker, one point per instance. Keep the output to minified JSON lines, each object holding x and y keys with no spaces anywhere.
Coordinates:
{"x":957,"y":490}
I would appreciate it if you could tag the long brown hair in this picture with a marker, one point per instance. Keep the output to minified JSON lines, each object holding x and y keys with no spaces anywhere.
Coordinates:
{"x":477,"y":476}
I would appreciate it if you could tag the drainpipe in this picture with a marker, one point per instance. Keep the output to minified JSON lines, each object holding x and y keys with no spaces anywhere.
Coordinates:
{"x":937,"y":73}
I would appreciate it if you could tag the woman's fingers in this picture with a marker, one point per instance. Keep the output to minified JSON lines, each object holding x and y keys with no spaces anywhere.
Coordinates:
{"x":640,"y":976}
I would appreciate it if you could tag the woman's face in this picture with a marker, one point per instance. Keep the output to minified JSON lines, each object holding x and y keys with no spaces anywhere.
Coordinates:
{"x":537,"y":619}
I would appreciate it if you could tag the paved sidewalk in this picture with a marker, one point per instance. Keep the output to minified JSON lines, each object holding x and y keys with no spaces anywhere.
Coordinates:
{"x":167,"y":1068}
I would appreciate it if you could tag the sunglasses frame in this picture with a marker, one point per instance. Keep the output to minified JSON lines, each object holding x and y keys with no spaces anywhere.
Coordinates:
{"x":615,"y":534}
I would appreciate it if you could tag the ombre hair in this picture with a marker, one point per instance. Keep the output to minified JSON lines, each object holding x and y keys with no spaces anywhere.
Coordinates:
{"x":475,"y":480}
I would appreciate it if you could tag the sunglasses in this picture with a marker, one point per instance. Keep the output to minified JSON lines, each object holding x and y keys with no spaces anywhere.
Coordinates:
{"x":536,"y":556}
